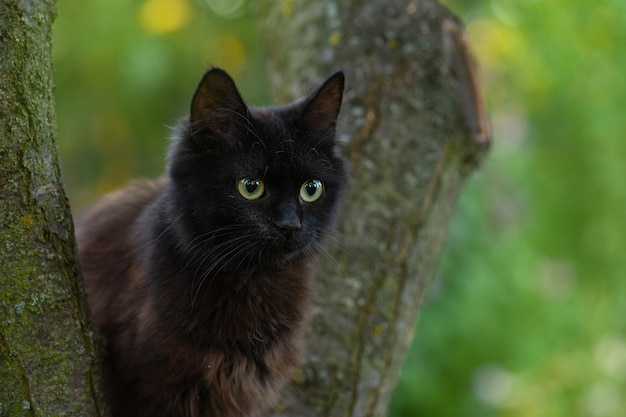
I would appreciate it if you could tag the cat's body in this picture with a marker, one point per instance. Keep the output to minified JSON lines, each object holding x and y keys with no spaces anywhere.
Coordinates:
{"x":201,"y":281}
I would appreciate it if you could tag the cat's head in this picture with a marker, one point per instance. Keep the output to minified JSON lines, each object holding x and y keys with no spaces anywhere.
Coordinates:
{"x":257,"y":186}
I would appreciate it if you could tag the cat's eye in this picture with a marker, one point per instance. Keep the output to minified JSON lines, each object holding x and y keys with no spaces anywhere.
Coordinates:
{"x":311,"y":191}
{"x":251,"y":188}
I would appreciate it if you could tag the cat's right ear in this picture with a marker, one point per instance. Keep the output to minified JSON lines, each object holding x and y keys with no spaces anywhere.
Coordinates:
{"x":321,"y":109}
{"x":217,"y":104}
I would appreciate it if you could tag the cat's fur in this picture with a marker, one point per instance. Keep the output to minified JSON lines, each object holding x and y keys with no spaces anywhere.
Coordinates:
{"x":201,"y":294}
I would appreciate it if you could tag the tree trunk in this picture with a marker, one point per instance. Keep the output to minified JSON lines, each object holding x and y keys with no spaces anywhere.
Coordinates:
{"x":48,"y":359}
{"x":413,"y":127}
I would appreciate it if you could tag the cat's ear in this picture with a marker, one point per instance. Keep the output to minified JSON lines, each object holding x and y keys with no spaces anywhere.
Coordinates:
{"x":321,"y":109}
{"x":217,"y":102}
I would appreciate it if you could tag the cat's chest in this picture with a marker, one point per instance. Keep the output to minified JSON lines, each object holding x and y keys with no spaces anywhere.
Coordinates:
{"x":246,"y":310}
{"x":242,"y":349}
{"x":245,"y":385}
{"x":255,"y":307}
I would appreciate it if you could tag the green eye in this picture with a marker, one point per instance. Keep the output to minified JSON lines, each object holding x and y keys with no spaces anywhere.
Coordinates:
{"x":251,"y":188}
{"x":311,"y":191}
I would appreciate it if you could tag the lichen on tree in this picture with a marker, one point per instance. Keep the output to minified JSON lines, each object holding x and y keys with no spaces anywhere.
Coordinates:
{"x":48,"y":354}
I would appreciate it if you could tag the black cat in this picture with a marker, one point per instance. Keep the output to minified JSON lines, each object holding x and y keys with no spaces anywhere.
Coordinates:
{"x":201,"y":281}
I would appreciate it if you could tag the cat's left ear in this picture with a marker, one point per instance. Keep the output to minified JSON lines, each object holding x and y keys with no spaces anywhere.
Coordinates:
{"x":217,"y":103}
{"x":321,"y":109}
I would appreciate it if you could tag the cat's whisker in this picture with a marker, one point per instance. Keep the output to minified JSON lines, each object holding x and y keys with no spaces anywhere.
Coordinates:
{"x":167,"y":229}
{"x":328,"y":255}
{"x":217,"y":249}
{"x":335,"y":240}
{"x":215,"y":233}
{"x":216,"y":268}
{"x":208,"y":237}
{"x":231,"y":252}
{"x":227,"y":250}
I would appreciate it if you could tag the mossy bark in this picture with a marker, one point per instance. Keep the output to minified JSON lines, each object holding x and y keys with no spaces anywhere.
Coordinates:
{"x":48,"y":357}
{"x":413,"y":128}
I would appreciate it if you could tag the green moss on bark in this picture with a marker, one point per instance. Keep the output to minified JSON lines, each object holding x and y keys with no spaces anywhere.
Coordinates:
{"x":48,"y":358}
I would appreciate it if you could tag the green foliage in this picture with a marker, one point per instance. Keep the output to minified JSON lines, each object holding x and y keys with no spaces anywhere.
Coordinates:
{"x":526,"y":316}
{"x":126,"y":70}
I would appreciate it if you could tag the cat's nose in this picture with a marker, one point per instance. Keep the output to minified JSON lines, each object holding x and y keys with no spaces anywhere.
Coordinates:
{"x":289,"y":226}
{"x":288,"y":221}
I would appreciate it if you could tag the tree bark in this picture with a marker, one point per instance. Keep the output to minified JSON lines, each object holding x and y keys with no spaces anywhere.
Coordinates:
{"x":413,"y":128}
{"x":48,"y":358}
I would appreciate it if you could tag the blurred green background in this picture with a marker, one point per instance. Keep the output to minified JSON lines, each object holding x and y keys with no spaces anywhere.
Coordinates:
{"x":527,"y":313}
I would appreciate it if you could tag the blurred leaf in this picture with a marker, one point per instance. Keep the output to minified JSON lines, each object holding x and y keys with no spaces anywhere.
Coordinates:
{"x":164,"y":16}
{"x":533,"y":278}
